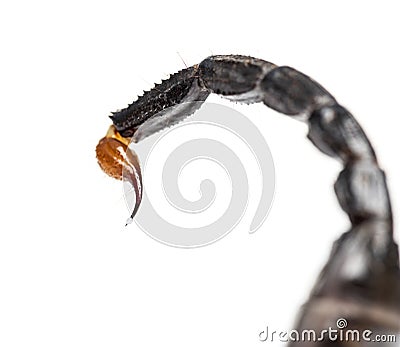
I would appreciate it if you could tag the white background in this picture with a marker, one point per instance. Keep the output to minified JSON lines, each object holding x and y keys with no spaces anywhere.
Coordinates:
{"x":70,"y":274}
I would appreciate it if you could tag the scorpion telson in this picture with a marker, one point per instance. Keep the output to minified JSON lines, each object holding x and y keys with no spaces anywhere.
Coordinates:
{"x":366,"y":293}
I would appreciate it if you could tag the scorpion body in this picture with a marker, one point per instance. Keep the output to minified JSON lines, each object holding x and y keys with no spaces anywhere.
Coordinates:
{"x":361,"y":281}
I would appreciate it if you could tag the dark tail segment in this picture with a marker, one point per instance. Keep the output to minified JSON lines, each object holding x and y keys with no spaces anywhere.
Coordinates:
{"x":358,"y":292}
{"x":169,"y":93}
